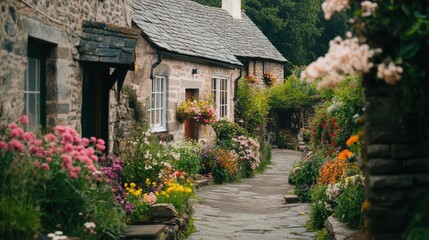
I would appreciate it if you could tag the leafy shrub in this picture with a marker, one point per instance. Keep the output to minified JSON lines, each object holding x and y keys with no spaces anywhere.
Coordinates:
{"x":418,"y":228}
{"x":349,"y":205}
{"x":266,"y":154}
{"x":252,"y":106}
{"x":319,"y":211}
{"x":207,"y":159}
{"x":304,"y":176}
{"x":146,"y":158}
{"x":56,"y":179}
{"x":187,"y":155}
{"x":133,"y":92}
{"x":226,"y":168}
{"x":226,"y":131}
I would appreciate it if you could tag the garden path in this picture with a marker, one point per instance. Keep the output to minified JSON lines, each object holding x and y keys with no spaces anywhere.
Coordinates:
{"x":253,"y":208}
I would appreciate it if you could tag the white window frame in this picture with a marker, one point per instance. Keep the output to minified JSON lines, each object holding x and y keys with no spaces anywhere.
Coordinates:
{"x":217,"y":82}
{"x":34,"y":115}
{"x":158,"y":90}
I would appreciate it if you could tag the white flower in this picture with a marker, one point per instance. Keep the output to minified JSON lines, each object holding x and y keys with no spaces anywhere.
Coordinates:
{"x":368,"y":8}
{"x":390,"y":73}
{"x":329,"y":7}
{"x":59,"y":233}
{"x":344,"y":57}
{"x":89,"y":225}
{"x":51,"y":235}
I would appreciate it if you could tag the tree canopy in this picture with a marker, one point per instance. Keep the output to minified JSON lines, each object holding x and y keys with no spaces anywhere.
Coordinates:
{"x":295,"y":27}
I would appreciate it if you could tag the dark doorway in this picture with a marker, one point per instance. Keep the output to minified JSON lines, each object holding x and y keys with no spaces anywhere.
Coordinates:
{"x":95,"y":103}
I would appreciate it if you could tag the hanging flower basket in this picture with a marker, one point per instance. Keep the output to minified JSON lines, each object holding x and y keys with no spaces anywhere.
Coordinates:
{"x":269,"y":79}
{"x":250,"y":79}
{"x":201,"y":111}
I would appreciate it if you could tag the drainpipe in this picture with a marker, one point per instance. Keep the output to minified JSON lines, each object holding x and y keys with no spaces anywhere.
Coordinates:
{"x":236,"y":83}
{"x":235,"y":92}
{"x":154,"y":65}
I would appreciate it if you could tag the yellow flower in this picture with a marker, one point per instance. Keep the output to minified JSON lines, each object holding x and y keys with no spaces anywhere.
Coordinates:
{"x":352,"y":140}
{"x":132,"y":185}
{"x":125,"y":184}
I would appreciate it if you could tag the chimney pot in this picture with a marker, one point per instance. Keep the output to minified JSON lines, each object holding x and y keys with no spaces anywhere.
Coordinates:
{"x":233,"y":7}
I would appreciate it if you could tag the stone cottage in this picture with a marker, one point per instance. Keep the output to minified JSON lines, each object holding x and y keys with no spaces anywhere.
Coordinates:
{"x":191,"y":51}
{"x":64,"y":63}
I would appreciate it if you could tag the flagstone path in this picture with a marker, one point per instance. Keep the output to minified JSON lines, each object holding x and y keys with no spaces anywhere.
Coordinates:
{"x":253,"y":208}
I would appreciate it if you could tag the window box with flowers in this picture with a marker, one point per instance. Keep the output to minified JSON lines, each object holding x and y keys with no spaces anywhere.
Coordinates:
{"x":269,"y":79}
{"x":201,"y":111}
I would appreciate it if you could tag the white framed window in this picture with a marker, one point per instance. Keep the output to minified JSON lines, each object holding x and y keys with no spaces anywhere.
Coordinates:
{"x":158,"y":104}
{"x":32,"y":94}
{"x":221,"y":92}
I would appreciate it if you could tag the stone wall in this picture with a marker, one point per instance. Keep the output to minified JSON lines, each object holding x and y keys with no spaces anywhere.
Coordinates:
{"x":179,"y":77}
{"x":395,"y":160}
{"x":256,"y":68}
{"x":58,"y":23}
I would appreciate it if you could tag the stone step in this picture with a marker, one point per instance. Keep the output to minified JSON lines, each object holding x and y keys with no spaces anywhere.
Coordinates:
{"x":340,"y":231}
{"x":291,"y":198}
{"x":201,"y":182}
{"x":145,"y":232}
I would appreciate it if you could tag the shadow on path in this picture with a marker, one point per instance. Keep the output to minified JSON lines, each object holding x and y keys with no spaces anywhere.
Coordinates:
{"x":253,"y":208}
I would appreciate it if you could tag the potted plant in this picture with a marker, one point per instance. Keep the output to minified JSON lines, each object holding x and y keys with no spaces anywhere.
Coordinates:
{"x":269,"y":79}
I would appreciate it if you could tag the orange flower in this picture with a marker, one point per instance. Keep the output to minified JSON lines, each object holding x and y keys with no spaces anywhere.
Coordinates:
{"x":352,"y":140}
{"x":345,"y":154}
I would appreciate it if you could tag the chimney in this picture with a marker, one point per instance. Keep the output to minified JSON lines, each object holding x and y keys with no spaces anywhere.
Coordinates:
{"x":233,"y":7}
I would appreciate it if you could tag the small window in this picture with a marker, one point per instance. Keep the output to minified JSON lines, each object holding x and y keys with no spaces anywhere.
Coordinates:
{"x":267,"y":67}
{"x":34,"y":86}
{"x":221,"y":93}
{"x":158,"y":104}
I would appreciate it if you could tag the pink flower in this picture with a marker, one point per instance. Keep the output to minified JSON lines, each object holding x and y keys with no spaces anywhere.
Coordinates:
{"x":67,"y":159}
{"x":68,"y":147}
{"x":93,"y":139}
{"x":85,"y":142}
{"x":67,"y":138}
{"x":100,"y":147}
{"x":38,"y":142}
{"x":28,"y":136}
{"x":12,"y":125}
{"x":45,"y":166}
{"x":15,"y":144}
{"x":36,"y":164}
{"x":3,"y":145}
{"x":50,"y":137}
{"x":16,"y":132}
{"x":23,"y":120}
{"x":100,"y":141}
{"x":48,"y":160}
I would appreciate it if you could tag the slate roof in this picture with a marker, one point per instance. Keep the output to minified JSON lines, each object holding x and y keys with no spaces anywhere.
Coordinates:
{"x":189,"y":28}
{"x":107,"y":43}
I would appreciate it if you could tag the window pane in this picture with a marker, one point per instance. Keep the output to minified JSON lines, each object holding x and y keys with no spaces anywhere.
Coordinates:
{"x":32,"y":73}
{"x":32,"y":112}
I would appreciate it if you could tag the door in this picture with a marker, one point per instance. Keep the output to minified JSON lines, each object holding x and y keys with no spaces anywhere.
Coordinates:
{"x":191,"y":126}
{"x":95,"y":103}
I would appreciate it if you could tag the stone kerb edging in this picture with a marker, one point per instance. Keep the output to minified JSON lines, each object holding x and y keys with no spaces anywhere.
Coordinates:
{"x":340,"y":231}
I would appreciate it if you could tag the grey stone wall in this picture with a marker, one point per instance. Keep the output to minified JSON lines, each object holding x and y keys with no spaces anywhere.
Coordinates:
{"x":395,"y":160}
{"x":256,"y":68}
{"x":57,"y":23}
{"x":179,"y":78}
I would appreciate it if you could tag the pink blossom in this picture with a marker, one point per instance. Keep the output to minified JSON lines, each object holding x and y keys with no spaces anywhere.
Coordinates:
{"x":100,"y":147}
{"x":12,"y":125}
{"x":45,"y":166}
{"x":38,"y":142}
{"x":50,"y":137}
{"x":93,"y":140}
{"x":67,"y":159}
{"x":3,"y":145}
{"x":28,"y":136}
{"x":67,"y":138}
{"x":68,"y":147}
{"x":15,"y":144}
{"x":48,"y":160}
{"x":24,"y":120}
{"x":33,"y":149}
{"x":84,"y":142}
{"x":16,"y":132}
{"x":36,"y":164}
{"x":92,"y":168}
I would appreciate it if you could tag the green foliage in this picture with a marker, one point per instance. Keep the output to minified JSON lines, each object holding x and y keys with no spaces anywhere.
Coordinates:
{"x":293,"y":94}
{"x":145,"y":157}
{"x":225,"y":131}
{"x":305,"y":175}
{"x":134,"y":103}
{"x":349,"y":205}
{"x":266,"y":154}
{"x":188,"y":156}
{"x":252,"y":106}
{"x":322,"y":234}
{"x":318,"y":211}
{"x":283,"y":140}
{"x":418,"y":228}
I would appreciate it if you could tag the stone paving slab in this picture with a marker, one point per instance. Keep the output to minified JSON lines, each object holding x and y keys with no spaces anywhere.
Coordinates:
{"x":253,"y":208}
